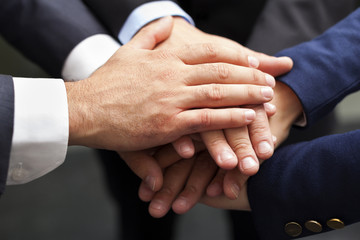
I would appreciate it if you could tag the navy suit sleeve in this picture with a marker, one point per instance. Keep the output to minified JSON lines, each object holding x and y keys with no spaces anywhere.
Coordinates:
{"x":113,"y":13}
{"x":46,"y":31}
{"x":327,"y":68}
{"x":317,"y":180}
{"x":6,"y":126}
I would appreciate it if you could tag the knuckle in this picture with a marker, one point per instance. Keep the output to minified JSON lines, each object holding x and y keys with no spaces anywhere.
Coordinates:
{"x":215,"y":92}
{"x":241,"y":145}
{"x":192,"y":189}
{"x":222,"y":71}
{"x":210,"y":50}
{"x":256,"y":76}
{"x":205,"y":119}
{"x":167,"y":191}
{"x":259,"y":130}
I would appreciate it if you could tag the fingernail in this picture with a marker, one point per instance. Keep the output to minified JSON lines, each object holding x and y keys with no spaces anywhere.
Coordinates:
{"x":267,"y":93}
{"x":264,"y":147}
{"x":248,"y":163}
{"x":185,"y":148}
{"x":150,"y":181}
{"x":157,"y":204}
{"x":253,"y":62}
{"x":250,"y":115}
{"x":227,"y":156}
{"x":269,"y":107}
{"x":235,"y":189}
{"x":270,"y":80}
{"x":181,"y":202}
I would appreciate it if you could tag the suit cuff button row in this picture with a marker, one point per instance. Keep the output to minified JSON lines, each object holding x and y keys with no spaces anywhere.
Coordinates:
{"x":294,"y":229}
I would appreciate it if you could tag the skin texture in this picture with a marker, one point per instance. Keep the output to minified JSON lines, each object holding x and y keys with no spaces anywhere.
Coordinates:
{"x":143,"y":98}
{"x":184,"y":33}
{"x":207,"y":183}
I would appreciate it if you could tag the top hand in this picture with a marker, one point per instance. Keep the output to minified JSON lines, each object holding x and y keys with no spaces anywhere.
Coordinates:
{"x":141,"y":99}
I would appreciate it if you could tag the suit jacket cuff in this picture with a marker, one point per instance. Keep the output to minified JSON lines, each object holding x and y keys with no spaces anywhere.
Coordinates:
{"x":6,"y":126}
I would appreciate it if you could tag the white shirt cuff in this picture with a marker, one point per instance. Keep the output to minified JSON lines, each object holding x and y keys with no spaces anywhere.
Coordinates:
{"x":147,"y":13}
{"x":89,"y":55}
{"x":41,"y":128}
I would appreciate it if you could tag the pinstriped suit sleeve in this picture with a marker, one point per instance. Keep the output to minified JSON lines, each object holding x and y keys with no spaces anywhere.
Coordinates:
{"x":46,"y":31}
{"x":6,"y":126}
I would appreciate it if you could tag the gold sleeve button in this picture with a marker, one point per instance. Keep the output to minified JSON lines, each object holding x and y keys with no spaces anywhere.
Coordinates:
{"x":293,"y":229}
{"x":313,"y":226}
{"x":335,"y":223}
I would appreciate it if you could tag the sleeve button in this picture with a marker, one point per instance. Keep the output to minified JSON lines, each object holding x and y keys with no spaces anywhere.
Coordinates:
{"x":313,"y":226}
{"x":293,"y":229}
{"x":335,"y":223}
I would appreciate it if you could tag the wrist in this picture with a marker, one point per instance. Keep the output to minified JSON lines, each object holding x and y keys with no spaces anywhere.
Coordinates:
{"x":289,"y":109}
{"x":76,"y":108}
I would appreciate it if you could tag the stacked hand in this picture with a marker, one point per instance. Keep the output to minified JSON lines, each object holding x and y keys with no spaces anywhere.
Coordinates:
{"x":180,"y":86}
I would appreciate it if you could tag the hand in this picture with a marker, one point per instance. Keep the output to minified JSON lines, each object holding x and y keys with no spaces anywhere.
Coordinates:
{"x":241,"y":203}
{"x":185,"y":33}
{"x":125,"y":104}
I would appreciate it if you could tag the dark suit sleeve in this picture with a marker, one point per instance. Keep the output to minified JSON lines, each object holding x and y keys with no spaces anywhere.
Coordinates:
{"x":46,"y":31}
{"x":327,"y":68}
{"x":113,"y":13}
{"x":316,"y":180}
{"x":6,"y":126}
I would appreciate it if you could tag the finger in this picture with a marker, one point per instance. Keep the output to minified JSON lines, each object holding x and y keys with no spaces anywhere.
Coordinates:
{"x":211,"y":53}
{"x":146,"y":167}
{"x":239,"y":141}
{"x":227,"y":74}
{"x":233,"y":183}
{"x":260,"y":134}
{"x":167,"y":156}
{"x":274,"y":66}
{"x":219,"y":149}
{"x":270,"y":109}
{"x":184,"y":146}
{"x":201,"y":120}
{"x":220,"y":95}
{"x":202,"y":172}
{"x":145,"y":192}
{"x":174,"y":180}
{"x":215,"y":188}
{"x":242,"y":203}
{"x":153,"y":34}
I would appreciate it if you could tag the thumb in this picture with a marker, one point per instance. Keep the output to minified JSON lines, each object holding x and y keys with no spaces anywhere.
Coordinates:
{"x":275,"y":66}
{"x":153,"y":34}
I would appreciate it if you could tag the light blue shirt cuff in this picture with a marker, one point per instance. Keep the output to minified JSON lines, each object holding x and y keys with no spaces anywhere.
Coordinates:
{"x":147,"y":13}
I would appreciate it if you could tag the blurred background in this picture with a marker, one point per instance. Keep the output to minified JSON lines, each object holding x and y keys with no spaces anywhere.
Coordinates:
{"x":72,"y":202}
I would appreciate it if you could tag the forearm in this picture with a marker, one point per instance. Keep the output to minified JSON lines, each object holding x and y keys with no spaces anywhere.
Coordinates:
{"x":325,"y":71}
{"x":308,"y":181}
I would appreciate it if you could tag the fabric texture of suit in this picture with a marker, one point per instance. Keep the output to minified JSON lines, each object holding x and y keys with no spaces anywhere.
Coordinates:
{"x":314,"y":180}
{"x":46,"y":31}
{"x":6,"y":126}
